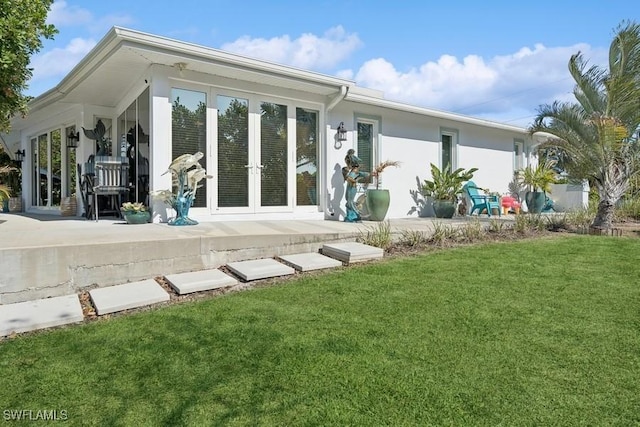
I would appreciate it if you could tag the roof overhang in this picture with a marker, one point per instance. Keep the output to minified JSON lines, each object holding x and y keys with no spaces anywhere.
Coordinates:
{"x":124,"y":56}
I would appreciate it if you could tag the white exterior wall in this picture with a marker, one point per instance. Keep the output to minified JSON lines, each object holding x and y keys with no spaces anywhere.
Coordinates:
{"x":414,"y":140}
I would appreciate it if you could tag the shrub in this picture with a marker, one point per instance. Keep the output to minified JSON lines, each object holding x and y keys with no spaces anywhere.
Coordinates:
{"x":378,"y":236}
{"x":442,"y":234}
{"x":413,"y":238}
{"x":471,"y":231}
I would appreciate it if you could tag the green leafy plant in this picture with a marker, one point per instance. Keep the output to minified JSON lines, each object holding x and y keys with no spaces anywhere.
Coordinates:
{"x":540,"y":177}
{"x":446,"y":184}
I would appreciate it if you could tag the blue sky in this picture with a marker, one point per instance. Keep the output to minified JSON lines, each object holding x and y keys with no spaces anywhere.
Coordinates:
{"x":497,"y":60}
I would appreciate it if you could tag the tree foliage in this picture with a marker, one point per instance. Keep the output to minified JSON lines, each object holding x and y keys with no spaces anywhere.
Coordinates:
{"x":22,"y":28}
{"x":597,"y":136}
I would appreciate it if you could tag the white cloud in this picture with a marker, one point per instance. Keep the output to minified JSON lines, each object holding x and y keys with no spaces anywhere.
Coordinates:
{"x":64,"y":15}
{"x":59,"y":61}
{"x":499,"y":87}
{"x":307,"y":51}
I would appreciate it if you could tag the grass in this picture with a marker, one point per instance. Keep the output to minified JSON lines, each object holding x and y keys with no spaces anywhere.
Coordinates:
{"x":536,"y":332}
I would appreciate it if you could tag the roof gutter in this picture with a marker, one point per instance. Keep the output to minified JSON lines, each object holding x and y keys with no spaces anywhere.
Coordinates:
{"x":339,"y":97}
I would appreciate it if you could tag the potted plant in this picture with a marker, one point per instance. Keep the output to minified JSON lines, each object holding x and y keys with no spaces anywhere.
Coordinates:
{"x":186,"y":173}
{"x":378,"y":199}
{"x":538,"y":179}
{"x":444,"y":187}
{"x":135,"y":213}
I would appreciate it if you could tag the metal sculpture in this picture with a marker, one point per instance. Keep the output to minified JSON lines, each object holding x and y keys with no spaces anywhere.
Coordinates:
{"x":352,"y":175}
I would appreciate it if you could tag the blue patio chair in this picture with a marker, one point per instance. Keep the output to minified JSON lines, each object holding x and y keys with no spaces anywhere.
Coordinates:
{"x":480,"y":201}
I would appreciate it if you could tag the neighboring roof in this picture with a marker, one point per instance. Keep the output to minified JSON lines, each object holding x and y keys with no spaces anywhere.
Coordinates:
{"x":124,"y":56}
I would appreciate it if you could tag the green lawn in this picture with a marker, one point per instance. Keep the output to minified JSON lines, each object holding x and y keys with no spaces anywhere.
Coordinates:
{"x":536,"y":332}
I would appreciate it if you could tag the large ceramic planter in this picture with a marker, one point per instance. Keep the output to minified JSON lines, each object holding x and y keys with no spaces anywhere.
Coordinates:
{"x":444,"y":208}
{"x":378,"y":204}
{"x":535,"y":201}
{"x":133,"y":217}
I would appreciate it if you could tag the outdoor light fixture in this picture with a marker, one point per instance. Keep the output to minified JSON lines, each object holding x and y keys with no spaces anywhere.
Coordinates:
{"x":72,"y":140}
{"x":342,"y":132}
{"x":19,"y":157}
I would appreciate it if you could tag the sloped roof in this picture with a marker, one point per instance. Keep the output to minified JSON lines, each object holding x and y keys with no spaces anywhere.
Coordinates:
{"x":123,"y":57}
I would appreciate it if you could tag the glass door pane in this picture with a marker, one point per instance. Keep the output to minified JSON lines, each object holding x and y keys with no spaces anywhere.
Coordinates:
{"x":306,"y":157}
{"x":273,"y":154}
{"x":43,"y":171}
{"x":55,"y":176}
{"x":233,"y":152}
{"x":189,"y":130}
{"x":35,"y":182}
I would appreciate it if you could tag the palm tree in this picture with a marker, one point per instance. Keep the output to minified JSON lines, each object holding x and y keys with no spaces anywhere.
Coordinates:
{"x":597,"y":136}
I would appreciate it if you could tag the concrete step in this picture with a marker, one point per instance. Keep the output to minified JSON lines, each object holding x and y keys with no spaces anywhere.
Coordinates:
{"x":310,"y":261}
{"x":259,"y":269}
{"x":197,"y":281}
{"x":39,"y":314}
{"x":126,"y":296}
{"x":350,"y":252}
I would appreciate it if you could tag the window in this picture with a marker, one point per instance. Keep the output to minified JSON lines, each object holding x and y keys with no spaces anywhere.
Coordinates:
{"x":233,"y":152}
{"x":306,"y":157}
{"x":367,"y":143}
{"x":47,"y":169}
{"x":189,"y":130}
{"x":273,"y":154}
{"x":448,"y":142}
{"x":133,"y":125}
{"x":518,"y":155}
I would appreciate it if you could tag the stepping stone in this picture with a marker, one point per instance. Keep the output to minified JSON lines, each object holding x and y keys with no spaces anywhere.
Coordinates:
{"x":39,"y":314}
{"x":130,"y":295}
{"x":197,"y":281}
{"x":310,"y":261}
{"x":259,"y":269}
{"x":351,"y":251}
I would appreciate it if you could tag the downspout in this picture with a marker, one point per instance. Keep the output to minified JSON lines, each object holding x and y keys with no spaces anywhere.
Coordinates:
{"x":339,"y":97}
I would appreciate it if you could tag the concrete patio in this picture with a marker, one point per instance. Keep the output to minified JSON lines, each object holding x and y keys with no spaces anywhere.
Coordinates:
{"x":48,"y":256}
{"x":47,"y":261}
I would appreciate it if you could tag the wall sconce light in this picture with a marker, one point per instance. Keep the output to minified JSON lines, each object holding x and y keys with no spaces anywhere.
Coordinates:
{"x":72,"y":140}
{"x":19,"y":157}
{"x":342,"y":132}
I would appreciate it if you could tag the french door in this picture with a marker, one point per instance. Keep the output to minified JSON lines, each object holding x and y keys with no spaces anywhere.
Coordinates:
{"x":254,"y":146}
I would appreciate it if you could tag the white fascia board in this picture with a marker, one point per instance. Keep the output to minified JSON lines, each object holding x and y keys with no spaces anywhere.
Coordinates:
{"x":394,"y":105}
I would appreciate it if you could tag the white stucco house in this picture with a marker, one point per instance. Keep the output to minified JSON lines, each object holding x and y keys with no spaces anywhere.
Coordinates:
{"x":268,"y":133}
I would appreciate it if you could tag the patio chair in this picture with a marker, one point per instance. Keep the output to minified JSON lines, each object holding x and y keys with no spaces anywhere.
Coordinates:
{"x":480,"y":202}
{"x":111,"y":179}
